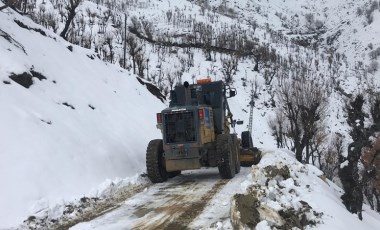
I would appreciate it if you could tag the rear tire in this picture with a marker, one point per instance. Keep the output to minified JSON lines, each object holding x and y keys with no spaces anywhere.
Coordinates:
{"x":224,"y":148}
{"x":155,"y":162}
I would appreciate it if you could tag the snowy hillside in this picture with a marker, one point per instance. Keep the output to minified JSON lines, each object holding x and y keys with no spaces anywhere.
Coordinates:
{"x":278,"y":193}
{"x":73,"y":122}
{"x":288,"y":194}
{"x":83,"y":122}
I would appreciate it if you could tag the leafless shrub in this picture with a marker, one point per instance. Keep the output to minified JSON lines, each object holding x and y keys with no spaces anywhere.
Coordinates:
{"x":373,"y":67}
{"x":369,"y":16}
{"x":359,"y":11}
{"x":303,"y":103}
{"x":374,"y":54}
{"x":229,"y":68}
{"x":135,"y":24}
{"x":148,"y":28}
{"x":278,"y":127}
{"x":134,"y":48}
{"x":141,"y":63}
{"x":330,"y":162}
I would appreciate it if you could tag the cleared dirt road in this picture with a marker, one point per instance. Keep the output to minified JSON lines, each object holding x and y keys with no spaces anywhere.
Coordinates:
{"x":194,"y":200}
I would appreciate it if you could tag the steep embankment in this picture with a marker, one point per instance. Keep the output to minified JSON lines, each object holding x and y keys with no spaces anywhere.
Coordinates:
{"x":68,"y":122}
{"x":283,"y":193}
{"x":82,"y":121}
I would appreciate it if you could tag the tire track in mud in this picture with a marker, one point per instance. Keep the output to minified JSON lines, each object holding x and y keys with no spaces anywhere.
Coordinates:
{"x":181,"y":207}
{"x":174,"y":204}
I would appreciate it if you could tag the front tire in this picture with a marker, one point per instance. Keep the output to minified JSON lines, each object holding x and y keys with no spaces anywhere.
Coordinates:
{"x":224,"y":148}
{"x":155,"y":162}
{"x":236,"y":152}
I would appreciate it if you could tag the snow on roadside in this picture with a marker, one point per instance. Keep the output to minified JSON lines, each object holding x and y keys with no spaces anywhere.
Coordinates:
{"x":45,"y":146}
{"x":84,"y":122}
{"x":218,"y":208}
{"x":289,"y":194}
{"x":107,"y":196}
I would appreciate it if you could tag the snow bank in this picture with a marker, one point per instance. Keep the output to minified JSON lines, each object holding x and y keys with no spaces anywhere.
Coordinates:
{"x":86,"y":122}
{"x":288,"y":193}
{"x":109,"y":195}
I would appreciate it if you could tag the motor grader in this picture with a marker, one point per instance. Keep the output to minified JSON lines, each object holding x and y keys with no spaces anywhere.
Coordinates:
{"x":195,"y":132}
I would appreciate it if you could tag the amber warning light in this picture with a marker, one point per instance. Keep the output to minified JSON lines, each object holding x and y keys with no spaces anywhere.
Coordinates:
{"x":203,"y":81}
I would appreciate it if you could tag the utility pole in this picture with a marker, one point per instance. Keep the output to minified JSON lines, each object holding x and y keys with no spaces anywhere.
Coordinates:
{"x":125,"y":40}
{"x":252,"y":104}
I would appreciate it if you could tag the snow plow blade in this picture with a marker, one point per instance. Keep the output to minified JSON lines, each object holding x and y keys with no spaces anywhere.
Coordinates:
{"x":249,"y":157}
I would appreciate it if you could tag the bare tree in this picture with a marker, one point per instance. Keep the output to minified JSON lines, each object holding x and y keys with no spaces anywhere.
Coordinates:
{"x":141,"y":63}
{"x":148,"y":28}
{"x":349,"y":171}
{"x":260,"y":55}
{"x":229,"y":68}
{"x":133,"y":49}
{"x":303,"y":104}
{"x":108,"y":40}
{"x":253,"y":23}
{"x":329,"y":164}
{"x":269,"y":75}
{"x":170,"y":78}
{"x":6,"y":4}
{"x":16,"y":5}
{"x":52,"y":21}
{"x":70,"y":6}
{"x":135,"y":24}
{"x":278,"y":127}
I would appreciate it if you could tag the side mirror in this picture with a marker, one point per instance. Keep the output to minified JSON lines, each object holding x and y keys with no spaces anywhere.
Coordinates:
{"x":239,"y":122}
{"x":232,"y":93}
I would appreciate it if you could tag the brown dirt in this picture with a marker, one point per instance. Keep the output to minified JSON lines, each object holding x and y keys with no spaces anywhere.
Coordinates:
{"x":272,"y":171}
{"x":86,"y":210}
{"x":246,"y":204}
{"x":180,"y":210}
{"x":322,"y":177}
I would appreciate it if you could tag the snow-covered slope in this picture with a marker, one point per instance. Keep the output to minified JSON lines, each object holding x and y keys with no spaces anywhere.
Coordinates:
{"x":288,"y":193}
{"x":89,"y":121}
{"x":51,"y":151}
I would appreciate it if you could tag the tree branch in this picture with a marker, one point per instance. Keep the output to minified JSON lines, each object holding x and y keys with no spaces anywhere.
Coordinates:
{"x":10,"y":4}
{"x":6,"y":5}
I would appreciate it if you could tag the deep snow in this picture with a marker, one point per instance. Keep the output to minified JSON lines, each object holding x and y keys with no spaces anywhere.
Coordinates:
{"x":306,"y":183}
{"x":42,"y":164}
{"x":52,"y":154}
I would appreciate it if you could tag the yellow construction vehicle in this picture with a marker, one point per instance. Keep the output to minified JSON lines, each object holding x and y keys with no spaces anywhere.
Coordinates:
{"x":248,"y":154}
